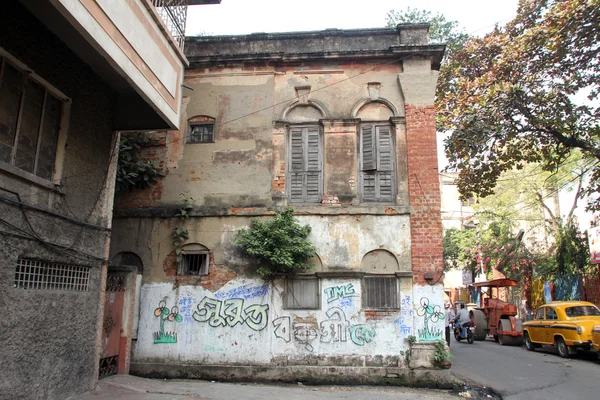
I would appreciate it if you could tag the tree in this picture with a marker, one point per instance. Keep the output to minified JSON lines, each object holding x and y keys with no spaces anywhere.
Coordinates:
{"x":514,"y":96}
{"x":440,"y":30}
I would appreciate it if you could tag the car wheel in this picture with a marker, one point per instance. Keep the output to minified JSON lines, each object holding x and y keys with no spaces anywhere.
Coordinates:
{"x":530,"y":346}
{"x":562,"y":348}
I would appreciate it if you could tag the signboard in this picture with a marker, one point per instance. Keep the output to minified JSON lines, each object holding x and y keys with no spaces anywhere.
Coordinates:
{"x":467,"y":277}
{"x":594,"y":243}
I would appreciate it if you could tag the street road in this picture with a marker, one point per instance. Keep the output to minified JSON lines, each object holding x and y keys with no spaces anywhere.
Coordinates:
{"x":516,"y":373}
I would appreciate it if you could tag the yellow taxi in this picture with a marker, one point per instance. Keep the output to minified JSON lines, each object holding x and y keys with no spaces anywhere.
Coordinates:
{"x":596,"y":338}
{"x":568,"y":325}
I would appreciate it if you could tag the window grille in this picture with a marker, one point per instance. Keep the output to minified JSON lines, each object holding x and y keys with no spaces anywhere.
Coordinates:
{"x":201,"y":134}
{"x":34,"y":274}
{"x":380,"y":292}
{"x":194,"y":263}
{"x":302,"y":293}
{"x":174,"y":15}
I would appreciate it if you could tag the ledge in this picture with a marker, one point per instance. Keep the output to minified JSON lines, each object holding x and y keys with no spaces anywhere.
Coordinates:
{"x":316,"y":209}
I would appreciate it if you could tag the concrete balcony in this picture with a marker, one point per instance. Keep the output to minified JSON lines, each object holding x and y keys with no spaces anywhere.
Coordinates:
{"x":136,"y":46}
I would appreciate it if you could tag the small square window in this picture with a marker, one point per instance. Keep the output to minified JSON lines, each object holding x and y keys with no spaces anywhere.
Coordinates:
{"x":380,"y":292}
{"x":201,"y":133}
{"x":194,"y":263}
{"x":302,"y":293}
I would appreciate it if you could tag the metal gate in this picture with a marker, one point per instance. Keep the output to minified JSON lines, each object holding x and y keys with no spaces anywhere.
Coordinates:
{"x":111,"y":325}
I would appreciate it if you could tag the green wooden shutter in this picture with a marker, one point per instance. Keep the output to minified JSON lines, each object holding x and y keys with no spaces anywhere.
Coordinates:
{"x":367,"y":148}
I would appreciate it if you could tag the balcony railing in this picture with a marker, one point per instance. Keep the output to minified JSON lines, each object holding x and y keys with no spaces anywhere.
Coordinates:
{"x":173,"y":13}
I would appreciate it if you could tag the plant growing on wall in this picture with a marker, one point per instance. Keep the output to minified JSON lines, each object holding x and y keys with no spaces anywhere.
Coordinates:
{"x":280,"y":244}
{"x":134,"y":171}
{"x":180,"y":234}
{"x":441,"y":354}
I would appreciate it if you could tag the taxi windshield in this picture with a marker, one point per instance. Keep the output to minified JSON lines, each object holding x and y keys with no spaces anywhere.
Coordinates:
{"x":582,"y":311}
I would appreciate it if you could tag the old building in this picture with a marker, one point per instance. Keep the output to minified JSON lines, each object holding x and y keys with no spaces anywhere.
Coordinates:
{"x":72,"y":74}
{"x":338,"y":124}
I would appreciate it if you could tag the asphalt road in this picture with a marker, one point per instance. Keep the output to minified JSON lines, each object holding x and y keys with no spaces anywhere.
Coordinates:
{"x":515,"y":373}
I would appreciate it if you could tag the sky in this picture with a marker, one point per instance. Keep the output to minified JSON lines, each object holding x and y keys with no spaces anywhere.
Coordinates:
{"x":234,"y":17}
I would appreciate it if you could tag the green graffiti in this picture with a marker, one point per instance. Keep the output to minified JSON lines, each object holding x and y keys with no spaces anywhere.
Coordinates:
{"x":164,"y":314}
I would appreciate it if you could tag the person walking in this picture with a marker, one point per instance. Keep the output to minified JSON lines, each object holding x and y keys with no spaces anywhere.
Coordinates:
{"x":448,"y":317}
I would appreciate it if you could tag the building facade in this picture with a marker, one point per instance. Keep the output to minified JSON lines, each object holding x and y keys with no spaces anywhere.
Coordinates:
{"x":339,"y":125}
{"x":72,"y":75}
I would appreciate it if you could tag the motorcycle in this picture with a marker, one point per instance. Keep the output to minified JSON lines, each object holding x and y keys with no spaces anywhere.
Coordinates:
{"x":470,"y":332}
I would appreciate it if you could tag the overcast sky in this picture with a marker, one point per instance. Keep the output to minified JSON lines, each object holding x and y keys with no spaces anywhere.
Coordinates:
{"x":233,"y":17}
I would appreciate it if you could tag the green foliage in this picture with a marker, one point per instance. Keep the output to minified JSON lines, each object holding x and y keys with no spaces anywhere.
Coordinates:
{"x":518,"y":96}
{"x":280,"y":244}
{"x":440,"y":29}
{"x":572,"y":251}
{"x":133,"y":171}
{"x":454,"y":244}
{"x":180,"y":234}
{"x":441,"y":354}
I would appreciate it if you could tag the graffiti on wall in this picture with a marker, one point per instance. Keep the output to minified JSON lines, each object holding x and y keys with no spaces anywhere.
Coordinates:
{"x":431,"y":314}
{"x":336,"y":328}
{"x":185,"y":308}
{"x":164,"y":314}
{"x":244,"y":292}
{"x":231,"y":312}
{"x":343,"y":292}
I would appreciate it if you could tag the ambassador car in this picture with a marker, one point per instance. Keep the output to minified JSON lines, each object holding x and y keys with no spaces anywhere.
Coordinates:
{"x":568,"y":325}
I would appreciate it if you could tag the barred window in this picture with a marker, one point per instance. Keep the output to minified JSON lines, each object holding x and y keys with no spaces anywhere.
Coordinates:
{"x":201,"y":133}
{"x":35,"y":274}
{"x":302,"y":293}
{"x":380,"y":292}
{"x":194,"y":263}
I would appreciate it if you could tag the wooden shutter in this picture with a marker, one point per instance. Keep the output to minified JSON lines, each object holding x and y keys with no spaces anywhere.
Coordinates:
{"x":296,"y":153}
{"x":367,"y":148}
{"x":313,"y":159}
{"x":384,"y":149}
{"x":305,"y":165}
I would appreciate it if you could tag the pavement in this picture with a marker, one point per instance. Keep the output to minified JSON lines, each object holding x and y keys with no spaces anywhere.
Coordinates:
{"x":127,"y":387}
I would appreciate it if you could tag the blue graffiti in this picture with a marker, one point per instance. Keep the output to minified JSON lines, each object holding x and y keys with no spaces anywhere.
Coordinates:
{"x":244,"y":292}
{"x":346,"y":302}
{"x":185,"y":308}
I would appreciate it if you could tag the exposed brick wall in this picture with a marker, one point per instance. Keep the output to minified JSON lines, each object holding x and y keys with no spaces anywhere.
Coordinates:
{"x":149,"y":197}
{"x":217,"y":276}
{"x":424,"y":193}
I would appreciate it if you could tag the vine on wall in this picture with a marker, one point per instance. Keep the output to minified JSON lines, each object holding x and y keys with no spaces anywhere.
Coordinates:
{"x":133,"y":170}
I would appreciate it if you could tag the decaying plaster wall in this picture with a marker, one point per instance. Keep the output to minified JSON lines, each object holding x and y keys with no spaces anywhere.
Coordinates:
{"x":255,"y":94}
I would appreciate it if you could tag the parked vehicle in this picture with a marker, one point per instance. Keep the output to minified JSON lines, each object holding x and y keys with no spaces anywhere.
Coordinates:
{"x":497,"y":317}
{"x":568,"y":325}
{"x":596,"y":338}
{"x":470,"y":332}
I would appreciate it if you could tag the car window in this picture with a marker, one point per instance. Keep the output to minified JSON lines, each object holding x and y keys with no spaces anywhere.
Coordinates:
{"x":582,"y":311}
{"x":551,"y":313}
{"x":540,"y":314}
